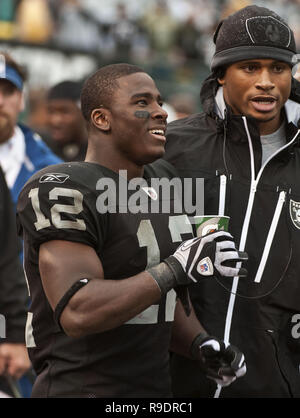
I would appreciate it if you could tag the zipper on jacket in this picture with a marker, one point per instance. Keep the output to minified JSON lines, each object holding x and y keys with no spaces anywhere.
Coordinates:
{"x":245,"y":228}
{"x":270,"y":237}
{"x":253,"y":187}
{"x":243,"y":237}
{"x":222,"y":194}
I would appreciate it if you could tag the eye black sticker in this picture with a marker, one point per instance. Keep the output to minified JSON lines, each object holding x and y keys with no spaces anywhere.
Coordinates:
{"x":143,"y":114}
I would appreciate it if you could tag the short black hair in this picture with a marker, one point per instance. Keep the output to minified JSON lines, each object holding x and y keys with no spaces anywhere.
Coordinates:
{"x":98,"y":89}
{"x":69,"y":90}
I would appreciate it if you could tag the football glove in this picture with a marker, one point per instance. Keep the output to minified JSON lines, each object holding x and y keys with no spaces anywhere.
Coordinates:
{"x":220,"y":362}
{"x":198,"y":258}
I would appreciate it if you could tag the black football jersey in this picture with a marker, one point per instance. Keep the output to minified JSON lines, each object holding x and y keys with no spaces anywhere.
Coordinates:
{"x":88,"y":203}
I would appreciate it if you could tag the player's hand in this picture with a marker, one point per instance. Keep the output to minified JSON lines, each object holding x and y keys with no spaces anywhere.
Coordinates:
{"x":221,"y":362}
{"x":207,"y":256}
{"x":14,"y":360}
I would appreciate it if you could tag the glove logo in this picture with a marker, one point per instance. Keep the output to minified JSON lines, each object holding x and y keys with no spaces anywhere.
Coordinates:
{"x":205,"y":267}
{"x":186,"y":245}
{"x":295,"y":213}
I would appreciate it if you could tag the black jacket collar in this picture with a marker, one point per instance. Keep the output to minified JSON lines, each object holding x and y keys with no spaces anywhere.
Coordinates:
{"x":234,"y":123}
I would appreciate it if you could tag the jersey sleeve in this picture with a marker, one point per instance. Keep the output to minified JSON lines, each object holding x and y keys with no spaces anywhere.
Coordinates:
{"x":59,"y":211}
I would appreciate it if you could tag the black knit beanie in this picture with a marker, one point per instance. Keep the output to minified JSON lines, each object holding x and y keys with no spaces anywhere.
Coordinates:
{"x":250,"y":33}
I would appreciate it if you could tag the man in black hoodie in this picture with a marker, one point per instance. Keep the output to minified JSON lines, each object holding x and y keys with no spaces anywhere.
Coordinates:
{"x":245,"y":145}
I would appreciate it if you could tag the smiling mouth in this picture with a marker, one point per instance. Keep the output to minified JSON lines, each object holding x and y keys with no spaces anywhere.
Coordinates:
{"x":158,"y":133}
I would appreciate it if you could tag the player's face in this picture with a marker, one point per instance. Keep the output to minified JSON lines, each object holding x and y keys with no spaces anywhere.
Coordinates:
{"x":11,"y":104}
{"x":258,"y":88}
{"x":64,"y":120}
{"x":138,"y":121}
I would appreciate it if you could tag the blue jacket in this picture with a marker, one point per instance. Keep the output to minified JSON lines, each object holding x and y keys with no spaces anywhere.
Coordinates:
{"x":37,"y":155}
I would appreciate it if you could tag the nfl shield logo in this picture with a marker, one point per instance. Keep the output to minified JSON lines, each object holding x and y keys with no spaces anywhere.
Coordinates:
{"x":295,"y":213}
{"x":203,"y":268}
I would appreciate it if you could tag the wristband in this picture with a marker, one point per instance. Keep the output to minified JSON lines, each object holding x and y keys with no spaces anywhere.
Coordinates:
{"x":177,"y":269}
{"x":168,"y":274}
{"x":164,"y":277}
{"x":65,"y":299}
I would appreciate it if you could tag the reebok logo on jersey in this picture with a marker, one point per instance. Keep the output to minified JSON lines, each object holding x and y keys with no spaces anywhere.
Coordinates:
{"x":295,"y":213}
{"x":54,"y":178}
{"x":205,"y":267}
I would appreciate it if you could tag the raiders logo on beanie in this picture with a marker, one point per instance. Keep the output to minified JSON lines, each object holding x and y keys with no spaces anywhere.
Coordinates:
{"x":250,"y":33}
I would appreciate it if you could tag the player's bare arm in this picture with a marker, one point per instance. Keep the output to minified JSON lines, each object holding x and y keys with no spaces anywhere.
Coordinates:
{"x":101,"y":304}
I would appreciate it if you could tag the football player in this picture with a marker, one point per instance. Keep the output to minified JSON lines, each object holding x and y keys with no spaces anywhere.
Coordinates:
{"x":101,"y":273}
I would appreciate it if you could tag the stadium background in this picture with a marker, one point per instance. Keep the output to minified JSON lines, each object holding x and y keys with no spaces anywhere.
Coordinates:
{"x":58,"y":40}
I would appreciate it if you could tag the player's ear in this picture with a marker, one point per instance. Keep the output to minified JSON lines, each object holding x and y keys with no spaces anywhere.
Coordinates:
{"x":220,"y":75}
{"x":221,"y":81}
{"x":100,"y":119}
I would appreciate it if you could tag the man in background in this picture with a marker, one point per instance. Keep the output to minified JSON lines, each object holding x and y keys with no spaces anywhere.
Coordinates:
{"x":67,"y":128}
{"x":22,"y":152}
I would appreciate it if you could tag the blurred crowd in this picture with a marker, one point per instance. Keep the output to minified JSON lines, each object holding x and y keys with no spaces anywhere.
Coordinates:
{"x":171,"y":39}
{"x":136,"y":29}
